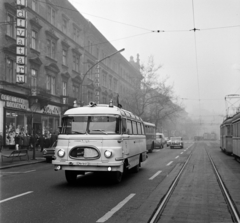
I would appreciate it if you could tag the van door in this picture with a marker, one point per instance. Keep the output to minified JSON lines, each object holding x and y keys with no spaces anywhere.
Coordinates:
{"x":125,"y":138}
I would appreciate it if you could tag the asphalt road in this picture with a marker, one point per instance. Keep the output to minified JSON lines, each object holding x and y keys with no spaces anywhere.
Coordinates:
{"x":36,"y":193}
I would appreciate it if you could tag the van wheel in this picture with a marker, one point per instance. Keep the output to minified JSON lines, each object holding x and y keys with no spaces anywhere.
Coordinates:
{"x":71,"y":176}
{"x":117,"y":176}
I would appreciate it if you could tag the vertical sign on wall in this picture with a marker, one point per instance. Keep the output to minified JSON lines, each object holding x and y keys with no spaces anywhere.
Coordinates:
{"x":21,"y":50}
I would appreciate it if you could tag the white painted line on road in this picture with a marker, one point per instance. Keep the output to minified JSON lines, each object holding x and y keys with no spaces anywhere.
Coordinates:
{"x":176,"y":157}
{"x":151,"y":178}
{"x":181,"y":153}
{"x":115,"y":209}
{"x":29,"y":171}
{"x":10,"y":198}
{"x":169,"y":163}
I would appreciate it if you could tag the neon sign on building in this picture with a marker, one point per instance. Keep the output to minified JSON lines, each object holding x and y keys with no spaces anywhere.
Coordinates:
{"x":21,"y":50}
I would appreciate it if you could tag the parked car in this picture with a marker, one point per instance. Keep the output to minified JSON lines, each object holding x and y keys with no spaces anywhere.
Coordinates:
{"x":48,"y":153}
{"x":176,"y":142}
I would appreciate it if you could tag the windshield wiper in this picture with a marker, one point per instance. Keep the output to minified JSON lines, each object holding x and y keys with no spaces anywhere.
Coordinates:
{"x":100,"y":130}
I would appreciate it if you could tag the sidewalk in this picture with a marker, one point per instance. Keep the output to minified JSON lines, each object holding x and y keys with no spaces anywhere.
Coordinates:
{"x":8,"y":162}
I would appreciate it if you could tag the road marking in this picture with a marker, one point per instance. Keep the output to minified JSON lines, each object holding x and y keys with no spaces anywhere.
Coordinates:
{"x":29,"y":171}
{"x":115,"y":209}
{"x":169,"y":163}
{"x":10,"y":198}
{"x":181,"y":153}
{"x":176,"y":157}
{"x":151,"y":178}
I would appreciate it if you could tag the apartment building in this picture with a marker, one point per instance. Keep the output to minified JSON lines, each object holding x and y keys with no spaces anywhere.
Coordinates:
{"x":64,"y":62}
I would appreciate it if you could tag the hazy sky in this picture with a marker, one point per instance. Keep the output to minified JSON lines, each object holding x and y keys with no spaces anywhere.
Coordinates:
{"x":208,"y":71}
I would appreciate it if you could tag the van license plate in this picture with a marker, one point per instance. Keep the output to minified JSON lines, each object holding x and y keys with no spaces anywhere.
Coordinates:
{"x":82,"y":164}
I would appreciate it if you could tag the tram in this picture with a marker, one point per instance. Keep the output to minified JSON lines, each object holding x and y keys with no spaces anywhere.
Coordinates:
{"x":99,"y":138}
{"x":150,"y":132}
{"x":236,"y":136}
{"x":226,"y":134}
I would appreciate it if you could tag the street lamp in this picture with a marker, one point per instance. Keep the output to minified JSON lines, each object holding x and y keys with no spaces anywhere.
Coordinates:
{"x":81,"y":85}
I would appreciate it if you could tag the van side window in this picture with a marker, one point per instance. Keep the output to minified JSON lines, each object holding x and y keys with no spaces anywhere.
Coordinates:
{"x":129,"y":127}
{"x":134,"y":125}
{"x":139,"y":128}
{"x":143,"y":129}
{"x":124,"y":126}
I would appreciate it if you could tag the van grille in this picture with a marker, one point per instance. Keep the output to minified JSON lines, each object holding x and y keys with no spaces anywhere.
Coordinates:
{"x":84,"y":153}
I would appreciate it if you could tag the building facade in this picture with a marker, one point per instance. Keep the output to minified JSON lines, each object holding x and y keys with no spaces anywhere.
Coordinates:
{"x":62,"y":57}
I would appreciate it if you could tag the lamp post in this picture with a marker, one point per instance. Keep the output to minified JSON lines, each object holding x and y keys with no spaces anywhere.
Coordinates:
{"x":81,"y":96}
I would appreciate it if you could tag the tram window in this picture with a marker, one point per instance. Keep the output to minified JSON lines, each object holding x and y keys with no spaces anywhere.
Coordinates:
{"x":129,"y":127}
{"x":139,"y":128}
{"x":124,"y":126}
{"x":134,"y":125}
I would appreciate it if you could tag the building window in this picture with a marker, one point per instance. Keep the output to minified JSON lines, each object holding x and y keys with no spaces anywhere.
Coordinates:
{"x":33,"y":78}
{"x":64,"y":89}
{"x":76,"y":92}
{"x":34,"y":40}
{"x":34,"y":5}
{"x":110,"y":82}
{"x":115,"y":86}
{"x":51,"y":84}
{"x":51,"y":14}
{"x":51,"y":48}
{"x":90,"y":96}
{"x":76,"y":33}
{"x":11,"y":27}
{"x":76,"y":62}
{"x":64,"y":57}
{"x":9,"y":70}
{"x":64,"y":25}
{"x":105,"y":80}
{"x":90,"y":73}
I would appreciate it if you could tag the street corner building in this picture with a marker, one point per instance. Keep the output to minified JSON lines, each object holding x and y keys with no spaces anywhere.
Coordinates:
{"x":52,"y":57}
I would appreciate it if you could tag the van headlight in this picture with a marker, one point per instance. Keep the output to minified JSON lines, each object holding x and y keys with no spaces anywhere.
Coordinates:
{"x":108,"y":154}
{"x":61,"y":153}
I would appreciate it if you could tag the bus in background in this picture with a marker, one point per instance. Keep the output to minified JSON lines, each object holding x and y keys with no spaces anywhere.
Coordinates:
{"x":99,"y":138}
{"x":150,"y":132}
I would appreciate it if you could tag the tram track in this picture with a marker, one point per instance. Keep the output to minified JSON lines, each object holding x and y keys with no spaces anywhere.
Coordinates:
{"x":163,"y":203}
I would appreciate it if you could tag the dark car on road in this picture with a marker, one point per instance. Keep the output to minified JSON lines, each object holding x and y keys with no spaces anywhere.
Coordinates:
{"x":48,"y":153}
{"x":176,"y":142}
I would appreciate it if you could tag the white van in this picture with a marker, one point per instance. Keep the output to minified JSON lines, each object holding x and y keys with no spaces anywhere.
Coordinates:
{"x":99,"y":138}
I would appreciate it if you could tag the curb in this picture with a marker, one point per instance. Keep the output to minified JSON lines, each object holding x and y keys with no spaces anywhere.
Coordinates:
{"x":22,"y":164}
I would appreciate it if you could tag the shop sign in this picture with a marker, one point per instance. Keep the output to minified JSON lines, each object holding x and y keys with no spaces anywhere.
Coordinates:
{"x":14,"y":102}
{"x":52,"y":110}
{"x":21,"y":27}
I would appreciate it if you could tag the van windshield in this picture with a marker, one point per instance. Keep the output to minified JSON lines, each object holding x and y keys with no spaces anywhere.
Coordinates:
{"x":102,"y":125}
